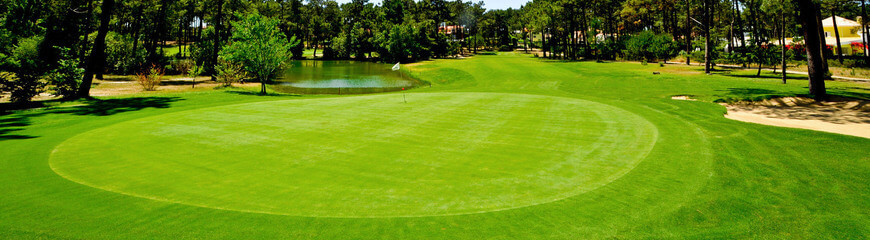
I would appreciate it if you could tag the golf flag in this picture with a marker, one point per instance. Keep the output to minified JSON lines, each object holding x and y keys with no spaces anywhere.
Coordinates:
{"x":396,"y":67}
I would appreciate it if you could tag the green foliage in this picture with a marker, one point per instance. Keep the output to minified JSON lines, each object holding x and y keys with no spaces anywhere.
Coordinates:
{"x":404,"y":43}
{"x":608,"y":49}
{"x":194,"y":71}
{"x":6,"y":45}
{"x":181,"y":66}
{"x":120,"y":57}
{"x":28,"y":70}
{"x":202,"y":51}
{"x":341,"y":47}
{"x":650,"y":46}
{"x":66,"y":78}
{"x":259,"y":46}
{"x":229,"y":73}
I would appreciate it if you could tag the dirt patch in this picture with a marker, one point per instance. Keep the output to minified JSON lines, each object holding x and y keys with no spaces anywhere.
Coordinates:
{"x":114,"y":87}
{"x":840,"y":115}
{"x":125,"y":85}
{"x":683,"y":98}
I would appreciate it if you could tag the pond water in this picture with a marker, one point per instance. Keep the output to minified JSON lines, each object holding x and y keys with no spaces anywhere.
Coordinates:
{"x":342,"y":77}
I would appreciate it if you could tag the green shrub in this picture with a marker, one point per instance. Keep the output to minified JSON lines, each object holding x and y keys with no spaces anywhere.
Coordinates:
{"x":650,"y":46}
{"x":229,"y":73}
{"x":66,"y":78}
{"x":25,"y":82}
{"x":180,"y":66}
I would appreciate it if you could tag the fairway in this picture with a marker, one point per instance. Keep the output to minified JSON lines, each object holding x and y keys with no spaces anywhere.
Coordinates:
{"x":503,"y":146}
{"x":372,"y":156}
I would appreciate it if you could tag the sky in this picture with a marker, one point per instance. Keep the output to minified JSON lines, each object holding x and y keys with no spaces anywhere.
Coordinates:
{"x":489,"y":4}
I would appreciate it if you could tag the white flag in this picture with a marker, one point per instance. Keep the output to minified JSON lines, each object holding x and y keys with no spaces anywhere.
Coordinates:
{"x":396,"y":67}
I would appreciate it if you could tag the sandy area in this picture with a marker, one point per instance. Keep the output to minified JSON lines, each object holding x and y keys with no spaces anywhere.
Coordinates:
{"x":125,"y":85}
{"x":843,"y":116}
{"x":112,"y":86}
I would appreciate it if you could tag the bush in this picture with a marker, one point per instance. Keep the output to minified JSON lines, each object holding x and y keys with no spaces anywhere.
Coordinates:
{"x":607,"y":49}
{"x":505,"y":48}
{"x":650,"y":46}
{"x":67,"y":77}
{"x":25,"y":82}
{"x":150,"y":79}
{"x":229,"y":73}
{"x":180,"y":66}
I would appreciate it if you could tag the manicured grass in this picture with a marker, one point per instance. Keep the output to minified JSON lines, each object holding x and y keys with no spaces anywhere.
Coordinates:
{"x":503,"y":146}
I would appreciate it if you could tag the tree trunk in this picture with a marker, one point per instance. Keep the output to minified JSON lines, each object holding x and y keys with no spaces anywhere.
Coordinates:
{"x":864,"y":29}
{"x":740,"y":24}
{"x":688,"y":33}
{"x":823,"y":44}
{"x":837,"y":35}
{"x":83,"y":54}
{"x":707,"y":50}
{"x":543,"y":43}
{"x":809,"y":15}
{"x":98,"y":57}
{"x":217,"y":35}
{"x":137,"y":28}
{"x":782,"y":42}
{"x":315,"y":50}
{"x":262,"y":87}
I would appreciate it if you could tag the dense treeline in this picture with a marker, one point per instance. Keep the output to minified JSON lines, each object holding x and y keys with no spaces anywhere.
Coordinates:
{"x":39,"y":38}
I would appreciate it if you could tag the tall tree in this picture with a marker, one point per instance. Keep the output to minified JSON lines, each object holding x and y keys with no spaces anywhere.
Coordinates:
{"x":809,"y":12}
{"x":218,"y":27}
{"x":97,"y":58}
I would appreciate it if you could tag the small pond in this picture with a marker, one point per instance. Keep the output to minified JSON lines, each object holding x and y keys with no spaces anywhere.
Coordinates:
{"x":342,"y":77}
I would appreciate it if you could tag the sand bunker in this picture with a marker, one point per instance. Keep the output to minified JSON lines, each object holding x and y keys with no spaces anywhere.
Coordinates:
{"x":843,"y":116}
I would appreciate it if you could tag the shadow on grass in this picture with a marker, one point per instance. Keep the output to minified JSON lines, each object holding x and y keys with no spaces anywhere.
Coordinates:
{"x":749,"y":94}
{"x":764,"y":76}
{"x":90,"y":107}
{"x":717,"y":71}
{"x":850,"y":92}
{"x":268,"y":94}
{"x":9,"y":125}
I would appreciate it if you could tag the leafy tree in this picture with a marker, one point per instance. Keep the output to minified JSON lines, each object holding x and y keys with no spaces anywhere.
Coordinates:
{"x":259,"y":45}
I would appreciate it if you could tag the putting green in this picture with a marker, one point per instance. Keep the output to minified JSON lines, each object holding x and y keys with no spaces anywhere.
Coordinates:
{"x":367,"y":156}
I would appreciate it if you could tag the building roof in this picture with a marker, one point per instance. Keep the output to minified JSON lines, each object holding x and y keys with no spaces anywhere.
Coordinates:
{"x":841,"y":22}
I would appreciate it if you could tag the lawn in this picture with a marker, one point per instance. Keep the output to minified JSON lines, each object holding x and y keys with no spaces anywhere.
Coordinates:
{"x":501,"y":146}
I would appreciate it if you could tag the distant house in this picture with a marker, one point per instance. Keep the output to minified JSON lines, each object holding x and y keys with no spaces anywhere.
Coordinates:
{"x":453,"y":31}
{"x":848,"y":28}
{"x":851,"y":34}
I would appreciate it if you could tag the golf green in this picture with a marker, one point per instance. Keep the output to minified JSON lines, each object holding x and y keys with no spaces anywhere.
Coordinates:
{"x":366,"y":156}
